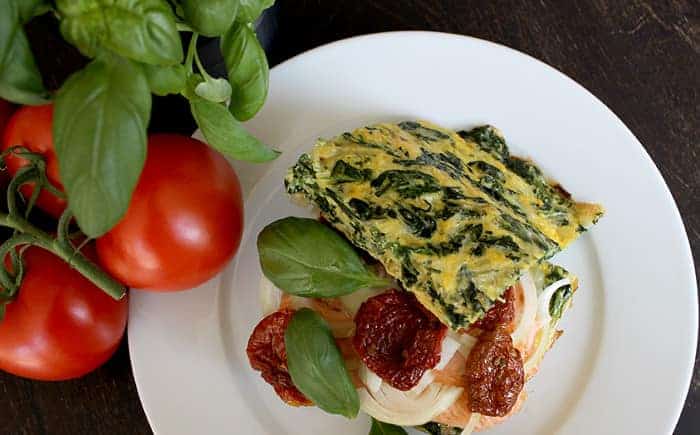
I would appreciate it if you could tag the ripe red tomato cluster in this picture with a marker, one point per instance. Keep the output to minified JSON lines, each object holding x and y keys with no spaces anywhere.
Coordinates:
{"x":183,"y":225}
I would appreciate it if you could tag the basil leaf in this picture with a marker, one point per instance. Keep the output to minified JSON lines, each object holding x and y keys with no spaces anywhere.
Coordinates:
{"x":164,"y":80}
{"x":250,"y":10}
{"x":20,"y":80}
{"x":227,"y":135}
{"x":248,"y":71}
{"x":381,"y":428}
{"x":216,"y":90}
{"x":316,"y":366}
{"x":192,"y":81}
{"x":142,"y":30}
{"x":210,"y":17}
{"x":28,"y":9}
{"x":306,"y":258}
{"x":99,"y":129}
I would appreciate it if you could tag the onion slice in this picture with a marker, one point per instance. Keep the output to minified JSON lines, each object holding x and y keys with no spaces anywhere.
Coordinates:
{"x":449,"y":347}
{"x":270,"y":296}
{"x":465,"y":340}
{"x":353,"y":300}
{"x":425,"y":380}
{"x":471,"y":424}
{"x":544,"y":336}
{"x":371,"y":380}
{"x":408,"y":408}
{"x":529,"y":312}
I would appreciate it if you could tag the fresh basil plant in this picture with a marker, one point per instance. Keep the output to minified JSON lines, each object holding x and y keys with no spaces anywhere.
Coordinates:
{"x":101,"y":112}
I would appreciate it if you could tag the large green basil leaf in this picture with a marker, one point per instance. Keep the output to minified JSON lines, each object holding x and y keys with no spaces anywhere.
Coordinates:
{"x":306,"y":258}
{"x":20,"y":80}
{"x":27,"y":9}
{"x":381,"y":428}
{"x":316,"y":366}
{"x":164,"y":80}
{"x":99,"y":129}
{"x":143,"y":30}
{"x":248,"y":71}
{"x":250,"y":10}
{"x":225,"y":134}
{"x":210,"y":17}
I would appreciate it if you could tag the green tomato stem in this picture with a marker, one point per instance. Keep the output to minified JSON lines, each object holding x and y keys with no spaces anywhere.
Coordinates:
{"x":32,"y":235}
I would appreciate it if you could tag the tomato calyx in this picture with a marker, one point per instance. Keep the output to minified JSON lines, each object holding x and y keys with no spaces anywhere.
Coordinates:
{"x":26,"y":234}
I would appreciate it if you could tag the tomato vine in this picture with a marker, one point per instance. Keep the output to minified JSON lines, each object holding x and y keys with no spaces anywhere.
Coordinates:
{"x":26,"y":234}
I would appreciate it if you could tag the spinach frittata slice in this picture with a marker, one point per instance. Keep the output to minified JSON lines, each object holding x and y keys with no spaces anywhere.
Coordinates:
{"x":451,"y":215}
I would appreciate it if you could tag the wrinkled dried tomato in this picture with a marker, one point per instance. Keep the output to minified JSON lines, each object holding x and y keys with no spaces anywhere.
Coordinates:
{"x":267,"y":354}
{"x":501,"y":314}
{"x":495,"y":374}
{"x":397,"y":338}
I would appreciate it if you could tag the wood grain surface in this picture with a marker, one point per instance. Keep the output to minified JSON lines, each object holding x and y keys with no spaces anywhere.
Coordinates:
{"x":641,"y":58}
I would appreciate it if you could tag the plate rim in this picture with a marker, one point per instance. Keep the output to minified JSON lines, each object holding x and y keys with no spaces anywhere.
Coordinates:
{"x":685,"y":250}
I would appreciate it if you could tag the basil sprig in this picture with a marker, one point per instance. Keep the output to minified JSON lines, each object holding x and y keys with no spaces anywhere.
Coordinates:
{"x":248,"y":71}
{"x":101,"y":113}
{"x":381,"y":428}
{"x":164,"y":80}
{"x":226,"y":134}
{"x":306,"y":258}
{"x":99,"y":130}
{"x":210,"y":17}
{"x":316,"y":365}
{"x":250,"y":10}
{"x":143,"y":30}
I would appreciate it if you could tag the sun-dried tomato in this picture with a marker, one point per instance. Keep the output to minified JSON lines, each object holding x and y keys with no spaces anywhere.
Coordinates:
{"x":267,"y":354}
{"x":397,"y":338}
{"x":501,"y":314}
{"x":495,"y":374}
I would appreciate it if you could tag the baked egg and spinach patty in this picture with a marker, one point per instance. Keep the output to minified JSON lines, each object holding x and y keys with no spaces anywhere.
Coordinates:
{"x":452,"y":215}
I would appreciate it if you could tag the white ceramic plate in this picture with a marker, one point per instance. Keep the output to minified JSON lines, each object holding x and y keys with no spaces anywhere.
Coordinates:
{"x":625,"y":361}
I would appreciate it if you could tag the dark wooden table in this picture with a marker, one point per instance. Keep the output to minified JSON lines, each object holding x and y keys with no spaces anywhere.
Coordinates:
{"x":642,"y":58}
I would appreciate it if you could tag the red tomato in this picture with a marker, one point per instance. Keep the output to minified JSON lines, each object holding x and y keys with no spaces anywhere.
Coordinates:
{"x":30,"y":127}
{"x":60,"y":326}
{"x":6,"y":109}
{"x":184,"y":222}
